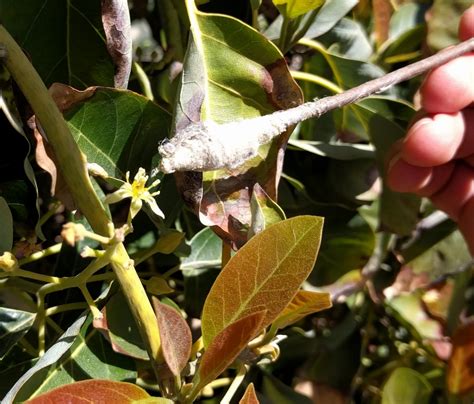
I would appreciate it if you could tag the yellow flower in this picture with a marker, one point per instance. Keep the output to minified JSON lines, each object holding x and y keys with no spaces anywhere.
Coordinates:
{"x":139,"y":192}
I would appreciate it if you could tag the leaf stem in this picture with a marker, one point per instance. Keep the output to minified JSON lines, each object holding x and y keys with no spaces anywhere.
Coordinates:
{"x":54,"y":249}
{"x":143,"y":80}
{"x":320,"y":81}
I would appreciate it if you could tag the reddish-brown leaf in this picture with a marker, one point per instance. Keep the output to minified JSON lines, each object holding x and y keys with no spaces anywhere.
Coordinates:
{"x":227,"y":345}
{"x":460,"y":375}
{"x":96,"y":391}
{"x":249,"y":397}
{"x":176,"y":339}
{"x":265,"y":274}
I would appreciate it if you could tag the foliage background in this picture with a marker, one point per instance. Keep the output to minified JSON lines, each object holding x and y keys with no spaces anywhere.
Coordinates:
{"x":398,"y":270}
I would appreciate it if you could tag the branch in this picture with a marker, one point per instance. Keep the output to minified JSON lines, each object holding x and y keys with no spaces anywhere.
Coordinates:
{"x":207,"y":146}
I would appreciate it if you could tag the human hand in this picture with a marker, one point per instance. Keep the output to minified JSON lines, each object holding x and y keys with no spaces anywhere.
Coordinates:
{"x":436,"y":158}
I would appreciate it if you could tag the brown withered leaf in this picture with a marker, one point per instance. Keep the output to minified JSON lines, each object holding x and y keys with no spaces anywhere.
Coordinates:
{"x":460,"y":374}
{"x":116,"y":22}
{"x":175,"y":336}
{"x":227,"y":345}
{"x":249,"y":397}
{"x":65,"y":97}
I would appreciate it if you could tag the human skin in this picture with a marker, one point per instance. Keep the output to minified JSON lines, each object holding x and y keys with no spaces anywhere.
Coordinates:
{"x":436,"y":158}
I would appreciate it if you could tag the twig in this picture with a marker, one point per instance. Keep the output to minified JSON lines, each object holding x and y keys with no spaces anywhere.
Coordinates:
{"x":207,"y":146}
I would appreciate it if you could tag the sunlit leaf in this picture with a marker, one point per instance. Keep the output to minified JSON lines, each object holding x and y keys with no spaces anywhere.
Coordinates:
{"x":175,"y":336}
{"x":294,"y":8}
{"x":96,"y":391}
{"x":227,"y":77}
{"x":226,"y":345}
{"x":115,"y":128}
{"x":206,"y":251}
{"x":265,"y":274}
{"x":460,"y":374}
{"x":303,"y":304}
{"x":249,"y":397}
{"x":406,"y":386}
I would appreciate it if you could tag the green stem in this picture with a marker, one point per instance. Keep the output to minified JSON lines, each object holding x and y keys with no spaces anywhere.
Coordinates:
{"x":283,"y":34}
{"x":143,"y":81}
{"x":54,"y":249}
{"x":320,"y":81}
{"x":72,"y":165}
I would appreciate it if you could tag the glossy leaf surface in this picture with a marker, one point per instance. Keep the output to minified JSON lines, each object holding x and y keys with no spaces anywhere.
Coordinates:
{"x":265,"y":274}
{"x":295,"y":8}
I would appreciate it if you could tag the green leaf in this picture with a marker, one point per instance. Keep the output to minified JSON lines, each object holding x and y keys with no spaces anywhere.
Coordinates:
{"x":206,"y":251}
{"x":295,"y":8}
{"x":64,"y":39}
{"x":227,"y":77}
{"x":99,"y":391}
{"x":81,"y":353}
{"x":227,"y":345}
{"x":406,"y":386}
{"x":6,"y":224}
{"x":265,"y":274}
{"x":117,"y":129}
{"x":120,"y":328}
{"x":398,"y":212}
{"x":14,"y":324}
{"x":175,"y":336}
{"x":265,"y":211}
{"x":303,"y":304}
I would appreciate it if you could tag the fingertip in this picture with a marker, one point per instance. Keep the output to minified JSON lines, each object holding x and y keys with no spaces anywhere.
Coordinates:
{"x":433,"y":140}
{"x":449,"y":88}
{"x":466,"y":25}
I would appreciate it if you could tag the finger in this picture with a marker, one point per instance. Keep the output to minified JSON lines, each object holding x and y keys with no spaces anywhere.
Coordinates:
{"x":457,"y":192}
{"x":466,"y":25}
{"x":449,"y":88}
{"x":466,"y":224}
{"x":439,"y":178}
{"x":433,"y":140}
{"x":404,"y":177}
